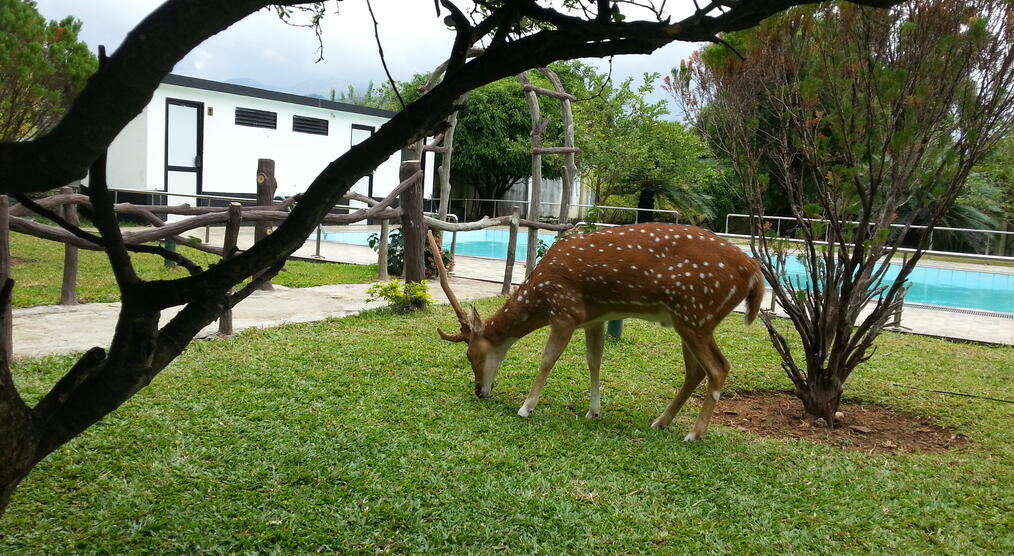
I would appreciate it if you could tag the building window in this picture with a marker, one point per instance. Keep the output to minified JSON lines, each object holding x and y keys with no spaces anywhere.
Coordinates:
{"x":256,"y":118}
{"x":316,"y":126}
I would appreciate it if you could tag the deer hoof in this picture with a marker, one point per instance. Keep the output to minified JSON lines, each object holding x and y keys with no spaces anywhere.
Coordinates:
{"x":592,"y":414}
{"x":658,"y":425}
{"x":524,"y":411}
{"x":691,"y":437}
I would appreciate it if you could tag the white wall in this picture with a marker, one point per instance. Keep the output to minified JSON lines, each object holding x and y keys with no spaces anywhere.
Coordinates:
{"x":128,"y":160}
{"x":230,"y":151}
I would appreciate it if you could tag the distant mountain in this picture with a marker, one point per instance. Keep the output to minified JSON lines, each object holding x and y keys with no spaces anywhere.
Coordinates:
{"x":247,"y":82}
{"x":314,"y":88}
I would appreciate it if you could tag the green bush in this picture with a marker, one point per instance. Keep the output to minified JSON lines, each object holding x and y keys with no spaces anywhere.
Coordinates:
{"x":413,"y":297}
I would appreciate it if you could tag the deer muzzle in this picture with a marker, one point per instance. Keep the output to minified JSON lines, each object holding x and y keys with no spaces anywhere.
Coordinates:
{"x":483,"y":392}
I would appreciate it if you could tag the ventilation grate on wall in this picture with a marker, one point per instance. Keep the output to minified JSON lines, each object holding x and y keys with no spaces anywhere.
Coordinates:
{"x":316,"y":126}
{"x":256,"y":118}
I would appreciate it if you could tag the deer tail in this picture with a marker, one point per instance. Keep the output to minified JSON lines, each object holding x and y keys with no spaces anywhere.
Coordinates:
{"x":754,"y":296}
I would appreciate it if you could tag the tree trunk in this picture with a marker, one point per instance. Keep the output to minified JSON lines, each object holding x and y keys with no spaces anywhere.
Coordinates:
{"x":646,"y":206}
{"x":486,"y":208}
{"x":19,"y":436}
{"x":18,"y":444}
{"x":412,"y":225}
{"x":821,"y":397}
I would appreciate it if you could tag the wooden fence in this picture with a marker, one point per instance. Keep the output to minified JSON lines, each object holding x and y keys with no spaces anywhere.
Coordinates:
{"x":63,"y":208}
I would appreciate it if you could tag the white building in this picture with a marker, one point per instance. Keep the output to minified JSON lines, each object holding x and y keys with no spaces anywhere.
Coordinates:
{"x":204,"y":137}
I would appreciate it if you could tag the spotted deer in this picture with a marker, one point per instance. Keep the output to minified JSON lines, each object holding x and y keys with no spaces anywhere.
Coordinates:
{"x":678,"y":276}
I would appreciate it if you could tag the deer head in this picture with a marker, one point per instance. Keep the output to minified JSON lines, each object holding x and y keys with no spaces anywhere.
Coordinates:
{"x":482,"y":354}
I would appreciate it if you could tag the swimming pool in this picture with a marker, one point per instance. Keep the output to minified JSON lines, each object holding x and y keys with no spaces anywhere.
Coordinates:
{"x":989,"y":291}
{"x":491,"y":244}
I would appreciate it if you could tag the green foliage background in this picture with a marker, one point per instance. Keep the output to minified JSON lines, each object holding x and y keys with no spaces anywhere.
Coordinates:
{"x":43,"y":66}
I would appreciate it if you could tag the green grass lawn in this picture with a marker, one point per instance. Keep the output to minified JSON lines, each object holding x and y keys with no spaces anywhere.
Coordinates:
{"x":362,"y":435}
{"x":37,"y":268}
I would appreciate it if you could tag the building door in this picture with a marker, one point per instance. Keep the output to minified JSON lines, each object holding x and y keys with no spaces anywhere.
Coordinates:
{"x":361,"y":133}
{"x":184,"y":130}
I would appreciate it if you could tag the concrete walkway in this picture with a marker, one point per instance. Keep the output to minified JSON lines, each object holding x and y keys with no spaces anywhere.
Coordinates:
{"x":54,"y":329}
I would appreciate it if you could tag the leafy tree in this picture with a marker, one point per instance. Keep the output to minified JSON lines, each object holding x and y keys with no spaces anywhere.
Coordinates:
{"x":868,"y":122}
{"x":102,"y":380}
{"x":375,"y":96}
{"x":991,"y":191}
{"x":492,"y":143}
{"x":673,"y":169}
{"x":42,"y":68}
{"x":628,"y":150}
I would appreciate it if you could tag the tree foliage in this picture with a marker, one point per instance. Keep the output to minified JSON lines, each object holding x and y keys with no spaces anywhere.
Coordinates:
{"x":374,"y":96}
{"x":991,"y":190}
{"x":867,"y":122}
{"x":629,"y":150}
{"x":43,"y":66}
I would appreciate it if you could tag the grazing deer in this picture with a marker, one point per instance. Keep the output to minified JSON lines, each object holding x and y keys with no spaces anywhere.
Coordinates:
{"x":678,"y":276}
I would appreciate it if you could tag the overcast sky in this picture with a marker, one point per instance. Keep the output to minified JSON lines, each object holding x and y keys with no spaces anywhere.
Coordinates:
{"x":262,"y":51}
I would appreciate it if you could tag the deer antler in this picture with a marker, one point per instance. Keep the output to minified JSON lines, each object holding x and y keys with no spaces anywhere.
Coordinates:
{"x":466,"y":328}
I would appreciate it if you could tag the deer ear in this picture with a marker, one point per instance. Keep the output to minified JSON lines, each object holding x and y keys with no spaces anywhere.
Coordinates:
{"x":475,"y":321}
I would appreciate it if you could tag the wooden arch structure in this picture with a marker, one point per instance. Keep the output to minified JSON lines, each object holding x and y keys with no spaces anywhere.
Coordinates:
{"x":444,"y":144}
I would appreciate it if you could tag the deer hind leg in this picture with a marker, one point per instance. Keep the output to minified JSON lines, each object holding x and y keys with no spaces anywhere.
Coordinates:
{"x":594,"y":337}
{"x":717,"y":367}
{"x":559,"y":337}
{"x":694,"y":375}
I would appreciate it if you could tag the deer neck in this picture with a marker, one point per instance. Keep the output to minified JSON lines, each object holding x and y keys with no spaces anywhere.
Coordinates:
{"x":518,"y":317}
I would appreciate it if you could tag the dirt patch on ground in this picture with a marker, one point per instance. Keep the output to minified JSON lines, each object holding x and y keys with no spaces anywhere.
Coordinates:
{"x":863,"y":428}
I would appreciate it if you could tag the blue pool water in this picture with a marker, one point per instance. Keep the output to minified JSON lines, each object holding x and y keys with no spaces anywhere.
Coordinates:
{"x":989,"y":291}
{"x":491,"y":244}
{"x":931,"y":286}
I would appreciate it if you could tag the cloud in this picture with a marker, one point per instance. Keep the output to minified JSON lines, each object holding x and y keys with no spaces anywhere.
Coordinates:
{"x":283,"y":57}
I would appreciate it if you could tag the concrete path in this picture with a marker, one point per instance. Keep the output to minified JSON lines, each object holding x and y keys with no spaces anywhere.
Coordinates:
{"x":52,"y":329}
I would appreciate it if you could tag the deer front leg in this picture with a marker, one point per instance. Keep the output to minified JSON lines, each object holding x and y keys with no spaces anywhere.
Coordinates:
{"x":594,"y":337}
{"x":559,"y":337}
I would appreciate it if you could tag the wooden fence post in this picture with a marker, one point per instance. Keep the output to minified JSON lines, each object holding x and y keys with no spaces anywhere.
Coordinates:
{"x":228,"y":246}
{"x":412,"y":224}
{"x":385,"y":230}
{"x":68,"y":292}
{"x":614,"y":328}
{"x":512,"y":245}
{"x":170,"y":245}
{"x":6,"y":314}
{"x":266,"y":185}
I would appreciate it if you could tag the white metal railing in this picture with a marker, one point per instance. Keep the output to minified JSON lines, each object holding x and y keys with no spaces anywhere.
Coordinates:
{"x":509,"y":202}
{"x":157,"y":193}
{"x":986,"y":256}
{"x":955,"y":254}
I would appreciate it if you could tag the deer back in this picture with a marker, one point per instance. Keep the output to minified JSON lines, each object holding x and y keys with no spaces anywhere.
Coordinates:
{"x":679,"y":275}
